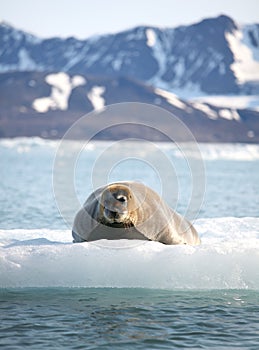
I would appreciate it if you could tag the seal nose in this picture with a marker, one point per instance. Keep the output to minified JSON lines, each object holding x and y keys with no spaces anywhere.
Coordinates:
{"x":120,"y":197}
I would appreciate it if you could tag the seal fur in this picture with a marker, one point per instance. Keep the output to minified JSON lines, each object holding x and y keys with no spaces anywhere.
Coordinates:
{"x":131,"y":210}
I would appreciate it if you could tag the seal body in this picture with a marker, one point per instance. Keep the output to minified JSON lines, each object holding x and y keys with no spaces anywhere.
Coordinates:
{"x":131,"y":210}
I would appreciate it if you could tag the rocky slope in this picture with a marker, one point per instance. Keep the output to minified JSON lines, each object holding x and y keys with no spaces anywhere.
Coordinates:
{"x":47,"y":104}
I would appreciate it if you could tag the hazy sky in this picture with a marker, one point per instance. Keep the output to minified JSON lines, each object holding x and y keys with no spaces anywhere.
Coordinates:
{"x":83,"y":18}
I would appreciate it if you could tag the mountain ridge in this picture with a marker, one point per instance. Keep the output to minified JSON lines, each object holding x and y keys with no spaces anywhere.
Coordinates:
{"x":56,"y":80}
{"x":191,"y":57}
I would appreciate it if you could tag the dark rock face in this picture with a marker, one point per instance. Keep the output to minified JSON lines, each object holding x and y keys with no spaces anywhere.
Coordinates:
{"x":37,"y":104}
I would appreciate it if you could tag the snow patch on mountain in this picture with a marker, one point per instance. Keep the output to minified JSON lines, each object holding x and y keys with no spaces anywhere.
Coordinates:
{"x":229,"y":114}
{"x":42,"y":105}
{"x":205,"y":109}
{"x":96,"y":98}
{"x":117,"y":63}
{"x":249,"y":31}
{"x":62,"y":86}
{"x":171,"y":98}
{"x":25,"y":61}
{"x":77,"y":80}
{"x":245,"y":67}
{"x":160,"y":50}
{"x":234,"y":102}
{"x":151,"y":37}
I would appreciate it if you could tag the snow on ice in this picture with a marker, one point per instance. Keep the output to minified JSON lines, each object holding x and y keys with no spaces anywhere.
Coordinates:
{"x":227,"y":258}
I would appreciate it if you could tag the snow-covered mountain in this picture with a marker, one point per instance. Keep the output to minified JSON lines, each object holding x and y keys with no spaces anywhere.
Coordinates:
{"x":214,"y":56}
{"x":47,"y":104}
{"x":47,"y":84}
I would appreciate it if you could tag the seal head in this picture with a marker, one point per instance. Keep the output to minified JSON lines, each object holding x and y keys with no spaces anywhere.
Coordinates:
{"x":115,"y":207}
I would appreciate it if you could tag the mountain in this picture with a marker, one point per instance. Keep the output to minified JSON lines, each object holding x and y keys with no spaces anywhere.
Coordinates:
{"x":214,"y":56}
{"x":48,"y":84}
{"x":47,"y":104}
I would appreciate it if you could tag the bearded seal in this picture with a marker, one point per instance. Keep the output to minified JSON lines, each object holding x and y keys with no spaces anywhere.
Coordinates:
{"x":131,"y":210}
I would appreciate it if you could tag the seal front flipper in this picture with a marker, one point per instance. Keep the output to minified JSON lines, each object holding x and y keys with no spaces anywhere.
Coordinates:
{"x":76,"y":238}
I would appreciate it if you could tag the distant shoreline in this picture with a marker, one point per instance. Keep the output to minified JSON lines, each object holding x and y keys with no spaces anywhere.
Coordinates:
{"x":127,"y":139}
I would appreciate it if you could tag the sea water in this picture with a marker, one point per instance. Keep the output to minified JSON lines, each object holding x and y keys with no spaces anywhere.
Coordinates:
{"x":129,"y":294}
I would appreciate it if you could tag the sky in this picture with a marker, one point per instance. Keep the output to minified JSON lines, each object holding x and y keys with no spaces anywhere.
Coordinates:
{"x":84,"y":18}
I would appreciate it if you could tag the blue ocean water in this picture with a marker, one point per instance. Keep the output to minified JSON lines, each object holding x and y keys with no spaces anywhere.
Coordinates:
{"x":54,"y":294}
{"x":128,"y":319}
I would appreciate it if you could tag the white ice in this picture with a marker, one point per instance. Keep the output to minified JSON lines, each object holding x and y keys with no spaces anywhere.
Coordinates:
{"x":227,"y":258}
{"x":209,"y":151}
